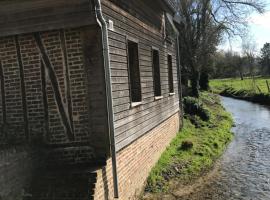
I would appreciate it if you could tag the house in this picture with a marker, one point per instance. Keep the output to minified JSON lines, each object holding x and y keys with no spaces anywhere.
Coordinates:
{"x":89,"y":96}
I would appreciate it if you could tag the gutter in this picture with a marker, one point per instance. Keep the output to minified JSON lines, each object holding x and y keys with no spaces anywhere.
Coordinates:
{"x":170,"y":19}
{"x":106,"y":64}
{"x":181,"y":112}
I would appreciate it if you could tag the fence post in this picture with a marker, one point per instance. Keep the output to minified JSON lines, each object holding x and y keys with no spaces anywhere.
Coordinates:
{"x":260,"y":91}
{"x":267,"y":86}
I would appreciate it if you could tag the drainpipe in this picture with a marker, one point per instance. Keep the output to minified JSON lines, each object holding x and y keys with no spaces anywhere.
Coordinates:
{"x":179,"y":82}
{"x":106,"y":59}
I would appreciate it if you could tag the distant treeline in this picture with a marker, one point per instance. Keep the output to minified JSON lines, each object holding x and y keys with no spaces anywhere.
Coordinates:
{"x":231,"y":64}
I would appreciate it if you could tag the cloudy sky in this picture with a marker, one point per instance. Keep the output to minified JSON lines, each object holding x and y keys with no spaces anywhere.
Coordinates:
{"x":259,"y":30}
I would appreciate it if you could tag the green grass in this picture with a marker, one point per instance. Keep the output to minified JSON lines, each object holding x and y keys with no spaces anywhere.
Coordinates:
{"x":209,"y":141}
{"x":237,"y":84}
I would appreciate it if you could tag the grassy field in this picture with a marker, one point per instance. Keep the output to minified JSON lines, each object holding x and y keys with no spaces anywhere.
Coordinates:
{"x":248,"y":84}
{"x":208,"y":139}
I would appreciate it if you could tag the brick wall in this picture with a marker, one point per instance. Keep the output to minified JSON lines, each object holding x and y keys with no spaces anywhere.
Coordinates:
{"x":16,"y":167}
{"x":32,"y":106}
{"x":135,"y":162}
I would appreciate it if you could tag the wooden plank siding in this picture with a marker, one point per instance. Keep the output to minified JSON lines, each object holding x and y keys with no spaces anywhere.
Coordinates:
{"x":131,"y":123}
{"x":28,"y":16}
{"x":150,"y":14}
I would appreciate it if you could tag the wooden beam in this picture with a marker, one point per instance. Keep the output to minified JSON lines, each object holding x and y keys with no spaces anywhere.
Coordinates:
{"x":27,"y":16}
{"x":23,"y":92}
{"x":67,"y":81}
{"x":3,"y":98}
{"x":56,"y":88}
{"x":45,"y":99}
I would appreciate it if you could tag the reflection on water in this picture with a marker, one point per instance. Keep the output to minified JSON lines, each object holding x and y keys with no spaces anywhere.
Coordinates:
{"x":245,"y":167}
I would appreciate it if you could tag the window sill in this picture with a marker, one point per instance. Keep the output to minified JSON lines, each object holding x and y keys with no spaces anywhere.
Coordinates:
{"x":172,"y":94}
{"x":158,"y":98}
{"x":135,"y":104}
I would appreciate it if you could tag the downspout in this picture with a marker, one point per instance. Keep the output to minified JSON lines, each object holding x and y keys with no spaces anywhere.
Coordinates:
{"x":106,"y":59}
{"x":170,"y":19}
{"x":179,"y":82}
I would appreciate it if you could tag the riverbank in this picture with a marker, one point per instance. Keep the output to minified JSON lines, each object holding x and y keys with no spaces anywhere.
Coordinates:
{"x":255,"y":90}
{"x":192,"y":154}
{"x":256,"y":85}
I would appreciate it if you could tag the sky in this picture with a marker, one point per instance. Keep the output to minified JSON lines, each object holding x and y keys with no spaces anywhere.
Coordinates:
{"x":259,"y":26}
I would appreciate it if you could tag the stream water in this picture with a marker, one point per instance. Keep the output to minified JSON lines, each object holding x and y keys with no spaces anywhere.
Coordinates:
{"x":244,"y":169}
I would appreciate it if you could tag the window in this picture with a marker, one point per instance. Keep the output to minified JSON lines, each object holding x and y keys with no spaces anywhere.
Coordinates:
{"x":170,"y":74}
{"x":134,"y":72}
{"x":156,"y":72}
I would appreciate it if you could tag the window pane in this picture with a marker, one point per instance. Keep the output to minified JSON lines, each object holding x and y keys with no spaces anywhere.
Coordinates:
{"x":134,"y":72}
{"x":170,"y":74}
{"x":156,"y":72}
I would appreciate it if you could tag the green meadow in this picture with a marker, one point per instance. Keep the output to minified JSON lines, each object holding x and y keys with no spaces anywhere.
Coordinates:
{"x":256,"y":85}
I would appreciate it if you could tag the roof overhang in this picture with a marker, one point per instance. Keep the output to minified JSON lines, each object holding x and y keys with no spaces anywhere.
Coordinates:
{"x":27,"y":16}
{"x":171,"y":21}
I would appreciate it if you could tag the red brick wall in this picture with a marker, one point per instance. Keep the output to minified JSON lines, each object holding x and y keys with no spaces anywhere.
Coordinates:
{"x":29,"y":110}
{"x":135,"y":162}
{"x":30,"y":89}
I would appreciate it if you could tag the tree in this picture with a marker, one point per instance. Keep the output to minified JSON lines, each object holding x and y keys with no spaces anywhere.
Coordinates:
{"x":228,"y":64}
{"x":198,"y":39}
{"x":264,"y":59}
{"x":202,"y":25}
{"x":249,"y":50}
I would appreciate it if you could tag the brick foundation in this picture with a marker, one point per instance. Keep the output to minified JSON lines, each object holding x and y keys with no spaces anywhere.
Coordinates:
{"x":16,"y":166}
{"x":135,"y":162}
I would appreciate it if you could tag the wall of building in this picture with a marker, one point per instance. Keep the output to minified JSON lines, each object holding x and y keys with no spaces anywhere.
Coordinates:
{"x":29,"y":106}
{"x":52,"y":95}
{"x":133,"y":122}
{"x":135,"y":162}
{"x":52,"y":91}
{"x":16,"y":167}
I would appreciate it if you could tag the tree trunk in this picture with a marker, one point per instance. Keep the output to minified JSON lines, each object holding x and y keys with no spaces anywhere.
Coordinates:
{"x":204,"y":81}
{"x":195,"y":77}
{"x":184,"y":80}
{"x":241,"y":76}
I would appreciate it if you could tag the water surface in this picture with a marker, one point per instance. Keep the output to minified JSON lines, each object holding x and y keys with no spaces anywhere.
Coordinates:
{"x":244,"y":172}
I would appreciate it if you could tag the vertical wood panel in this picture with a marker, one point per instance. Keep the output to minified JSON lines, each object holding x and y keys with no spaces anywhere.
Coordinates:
{"x":3,"y":100}
{"x":45,"y":100}
{"x":24,"y":104}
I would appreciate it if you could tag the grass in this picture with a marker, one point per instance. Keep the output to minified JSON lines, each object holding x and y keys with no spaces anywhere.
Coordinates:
{"x":208,"y":139}
{"x":237,"y":84}
{"x":248,"y":89}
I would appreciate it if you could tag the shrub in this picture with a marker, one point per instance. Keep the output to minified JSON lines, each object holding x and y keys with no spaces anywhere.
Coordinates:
{"x":192,"y":106}
{"x":186,"y":145}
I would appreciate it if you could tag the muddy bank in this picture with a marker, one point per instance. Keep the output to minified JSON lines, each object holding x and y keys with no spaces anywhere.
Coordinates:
{"x":188,"y":191}
{"x":261,"y":98}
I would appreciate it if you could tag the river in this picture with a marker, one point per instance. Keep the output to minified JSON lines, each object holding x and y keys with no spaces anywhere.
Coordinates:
{"x":244,"y":169}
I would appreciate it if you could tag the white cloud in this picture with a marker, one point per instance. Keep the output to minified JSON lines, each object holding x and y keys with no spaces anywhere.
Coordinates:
{"x":259,"y":30}
{"x":261,"y":20}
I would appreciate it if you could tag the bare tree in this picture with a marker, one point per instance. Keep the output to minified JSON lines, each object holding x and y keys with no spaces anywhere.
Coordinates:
{"x":249,"y":51}
{"x":203,"y":24}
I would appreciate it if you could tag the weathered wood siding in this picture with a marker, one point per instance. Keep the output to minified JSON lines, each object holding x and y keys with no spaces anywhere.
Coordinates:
{"x":27,"y":16}
{"x":150,"y":12}
{"x":131,"y":123}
